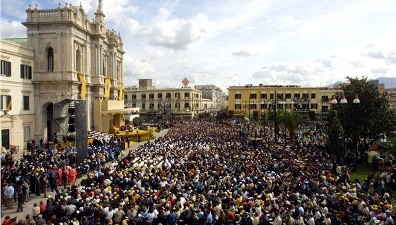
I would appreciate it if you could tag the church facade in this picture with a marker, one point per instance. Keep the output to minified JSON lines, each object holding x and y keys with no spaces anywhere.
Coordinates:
{"x":76,"y":60}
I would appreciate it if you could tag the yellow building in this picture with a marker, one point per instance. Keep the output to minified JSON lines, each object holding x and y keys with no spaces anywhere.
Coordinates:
{"x":174,"y":103}
{"x":255,"y":101}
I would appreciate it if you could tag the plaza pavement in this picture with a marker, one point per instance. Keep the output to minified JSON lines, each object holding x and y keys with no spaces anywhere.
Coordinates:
{"x":27,"y":209}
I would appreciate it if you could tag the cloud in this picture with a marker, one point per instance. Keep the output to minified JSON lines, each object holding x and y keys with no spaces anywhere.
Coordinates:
{"x":327,"y":63}
{"x":120,"y":12}
{"x":375,"y":54}
{"x":135,"y":69}
{"x":379,"y":71}
{"x":392,"y":57}
{"x":174,"y":33}
{"x":12,"y":29}
{"x":244,"y":53}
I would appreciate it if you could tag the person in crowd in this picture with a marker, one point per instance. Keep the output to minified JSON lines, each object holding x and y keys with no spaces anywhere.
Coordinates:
{"x":221,"y":172}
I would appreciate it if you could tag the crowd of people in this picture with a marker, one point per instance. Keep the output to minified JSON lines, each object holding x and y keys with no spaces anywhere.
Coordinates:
{"x":210,"y":172}
{"x":46,"y":167}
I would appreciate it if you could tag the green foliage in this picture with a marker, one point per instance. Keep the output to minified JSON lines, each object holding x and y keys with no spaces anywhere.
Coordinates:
{"x":292,"y":120}
{"x":370,"y":118}
{"x":137,"y":121}
{"x":312,"y":115}
{"x":264,"y":120}
{"x":336,"y":134}
{"x":204,"y":115}
{"x":389,"y":147}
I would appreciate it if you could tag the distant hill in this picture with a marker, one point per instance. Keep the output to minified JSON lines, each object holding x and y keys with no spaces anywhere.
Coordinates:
{"x":389,"y":82}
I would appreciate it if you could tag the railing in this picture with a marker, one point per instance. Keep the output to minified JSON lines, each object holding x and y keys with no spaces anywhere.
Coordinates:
{"x":48,"y":13}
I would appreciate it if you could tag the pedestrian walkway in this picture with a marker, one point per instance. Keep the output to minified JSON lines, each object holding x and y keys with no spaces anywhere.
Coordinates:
{"x":27,"y":210}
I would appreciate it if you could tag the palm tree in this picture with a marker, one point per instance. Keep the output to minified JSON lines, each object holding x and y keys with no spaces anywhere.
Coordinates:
{"x":292,"y":120}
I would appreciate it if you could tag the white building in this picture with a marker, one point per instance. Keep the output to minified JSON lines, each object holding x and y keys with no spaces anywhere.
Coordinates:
{"x":215,"y":98}
{"x":184,"y":102}
{"x":17,"y":93}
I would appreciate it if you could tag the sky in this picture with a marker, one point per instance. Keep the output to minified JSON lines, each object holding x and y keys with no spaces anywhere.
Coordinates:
{"x":237,"y":42}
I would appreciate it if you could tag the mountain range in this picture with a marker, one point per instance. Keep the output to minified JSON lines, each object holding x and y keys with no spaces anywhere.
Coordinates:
{"x":389,"y":82}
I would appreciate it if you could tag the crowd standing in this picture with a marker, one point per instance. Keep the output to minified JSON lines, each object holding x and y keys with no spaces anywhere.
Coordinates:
{"x":211,"y":172}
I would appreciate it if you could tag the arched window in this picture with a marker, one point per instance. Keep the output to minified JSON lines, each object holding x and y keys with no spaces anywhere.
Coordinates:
{"x":104,"y":64}
{"x":50,"y":58}
{"x":78,"y":60}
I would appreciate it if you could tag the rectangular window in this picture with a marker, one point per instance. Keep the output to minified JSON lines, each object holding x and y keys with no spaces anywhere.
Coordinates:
{"x":279,"y":96}
{"x":288,"y":96}
{"x":263,"y":106}
{"x":26,"y":72}
{"x":143,"y":106}
{"x":151,"y":96}
{"x":325,"y":98}
{"x":5,"y":68}
{"x":263,"y":96}
{"x":314,"y":106}
{"x":26,"y":103}
{"x":26,"y":133}
{"x":5,"y":102}
{"x":238,"y":106}
{"x":5,"y":138}
{"x":238,"y":96}
{"x":313,"y":95}
{"x":253,"y":96}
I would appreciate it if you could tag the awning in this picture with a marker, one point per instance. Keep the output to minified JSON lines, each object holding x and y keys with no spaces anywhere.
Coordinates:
{"x":126,"y":110}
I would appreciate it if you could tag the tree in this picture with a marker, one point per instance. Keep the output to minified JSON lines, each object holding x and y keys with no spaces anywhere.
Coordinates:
{"x":137,"y":121}
{"x":292,"y":120}
{"x":336,"y":134}
{"x":368,"y":120}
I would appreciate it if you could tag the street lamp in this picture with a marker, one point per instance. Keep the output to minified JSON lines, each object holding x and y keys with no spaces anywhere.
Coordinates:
{"x":344,"y":102}
{"x":276,"y":128}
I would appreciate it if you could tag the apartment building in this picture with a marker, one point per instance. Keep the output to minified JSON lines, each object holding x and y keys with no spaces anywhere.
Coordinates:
{"x":17,"y":120}
{"x":184,"y":102}
{"x":256,"y":101}
{"x":214,"y":98}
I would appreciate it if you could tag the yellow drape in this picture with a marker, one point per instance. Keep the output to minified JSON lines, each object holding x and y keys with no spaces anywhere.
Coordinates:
{"x":9,"y":104}
{"x":83,"y":85}
{"x":107,"y":82}
{"x":121,"y":91}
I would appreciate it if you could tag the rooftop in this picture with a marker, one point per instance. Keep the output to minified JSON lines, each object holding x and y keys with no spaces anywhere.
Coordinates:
{"x":19,"y":41}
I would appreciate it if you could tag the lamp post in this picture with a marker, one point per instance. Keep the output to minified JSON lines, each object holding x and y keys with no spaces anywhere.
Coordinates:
{"x":344,"y":102}
{"x":276,"y":117}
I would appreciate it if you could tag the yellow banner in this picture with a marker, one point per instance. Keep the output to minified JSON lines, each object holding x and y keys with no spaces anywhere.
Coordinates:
{"x":107,"y":82}
{"x":121,"y":91}
{"x":9,"y":104}
{"x":83,"y":85}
